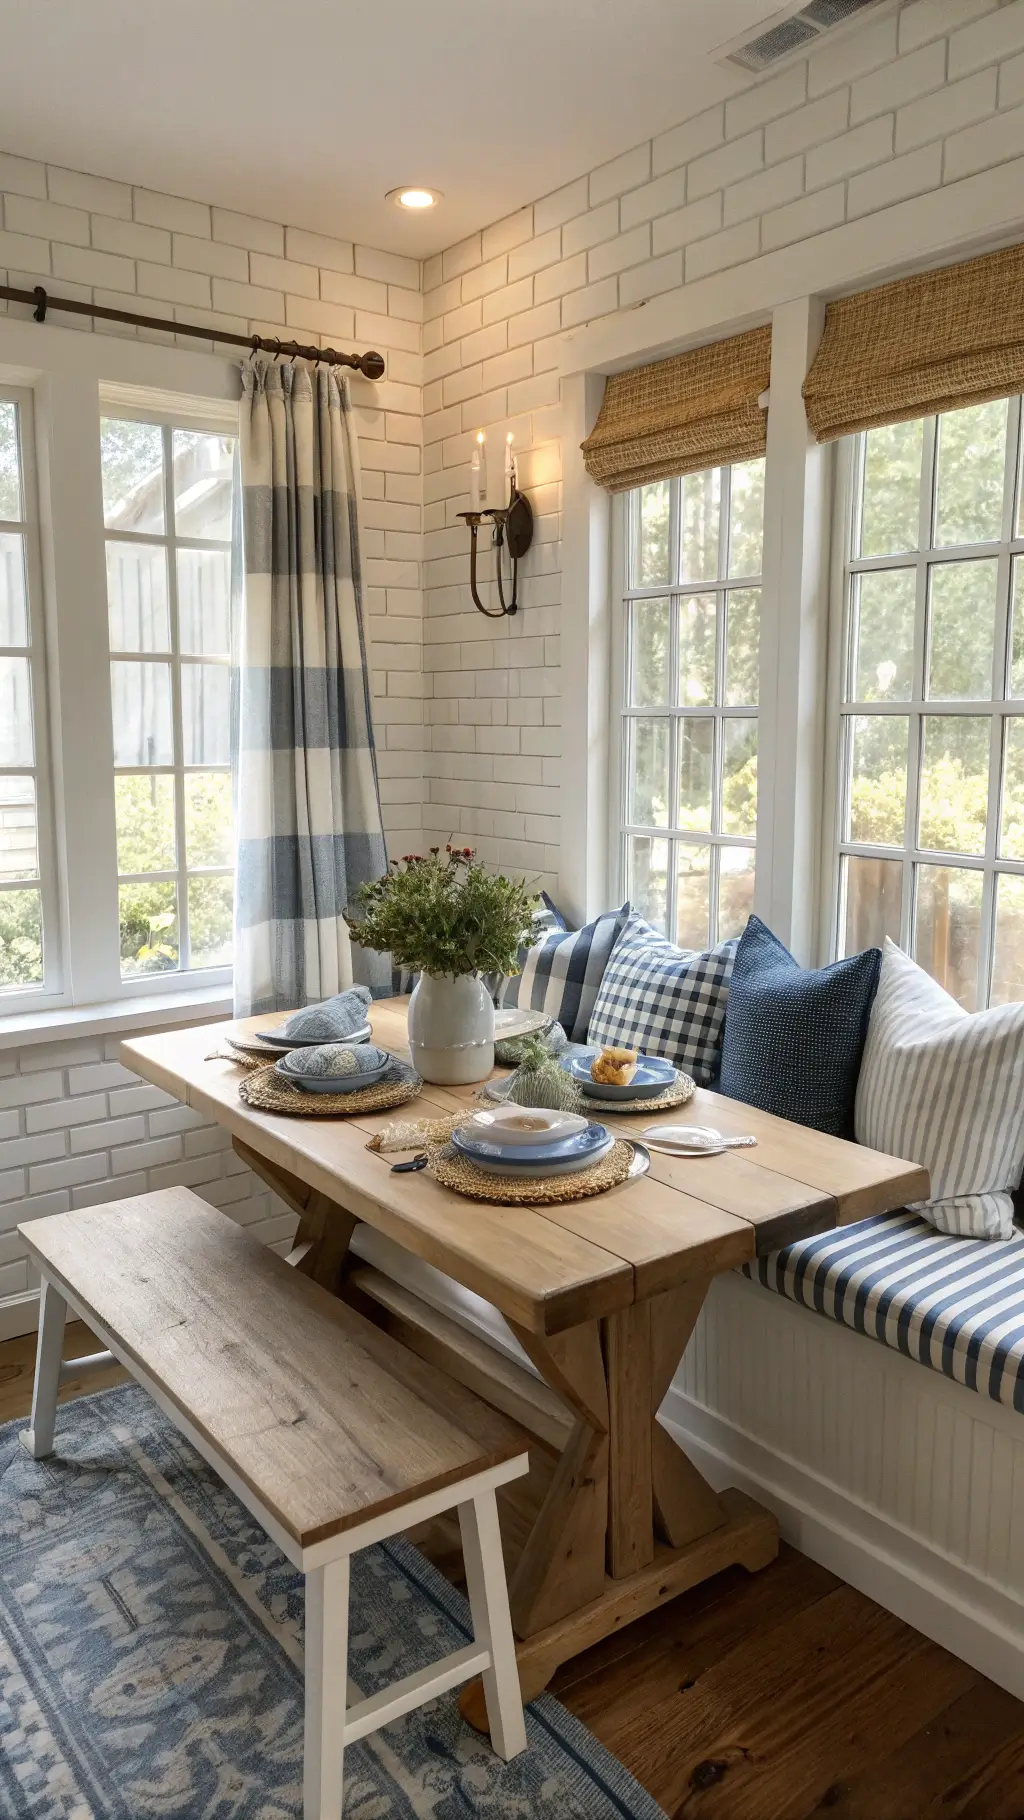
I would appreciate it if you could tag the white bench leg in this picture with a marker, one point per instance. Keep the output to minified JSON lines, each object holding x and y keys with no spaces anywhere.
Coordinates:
{"x":326,"y":1690}
{"x":492,"y":1622}
{"x":37,"y":1439}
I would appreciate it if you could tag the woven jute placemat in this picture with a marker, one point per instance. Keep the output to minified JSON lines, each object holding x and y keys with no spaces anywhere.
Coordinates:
{"x":454,"y":1171}
{"x":267,"y":1092}
{"x":228,"y":1050}
{"x":595,"y":1108}
{"x":684,"y":1090}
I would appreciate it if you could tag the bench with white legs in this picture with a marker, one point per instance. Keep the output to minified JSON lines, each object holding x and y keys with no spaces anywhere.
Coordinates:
{"x":328,"y":1431}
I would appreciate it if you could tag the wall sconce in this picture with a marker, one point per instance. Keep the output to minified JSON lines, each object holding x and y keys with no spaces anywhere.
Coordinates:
{"x":511,"y":525}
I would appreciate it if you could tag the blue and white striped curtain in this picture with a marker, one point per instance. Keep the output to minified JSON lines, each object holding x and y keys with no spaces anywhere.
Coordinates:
{"x":307,"y":803}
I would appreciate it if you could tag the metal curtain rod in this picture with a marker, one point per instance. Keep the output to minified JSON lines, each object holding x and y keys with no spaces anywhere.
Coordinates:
{"x":371,"y":365}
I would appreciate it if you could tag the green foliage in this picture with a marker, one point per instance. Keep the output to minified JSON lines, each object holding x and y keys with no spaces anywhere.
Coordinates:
{"x":146,"y":842}
{"x":10,"y":472}
{"x":149,"y":928}
{"x":211,"y":905}
{"x":145,"y":823}
{"x":21,"y":938}
{"x":444,"y":914}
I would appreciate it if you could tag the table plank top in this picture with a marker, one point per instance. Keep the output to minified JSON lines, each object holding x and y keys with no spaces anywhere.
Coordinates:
{"x":553,"y":1267}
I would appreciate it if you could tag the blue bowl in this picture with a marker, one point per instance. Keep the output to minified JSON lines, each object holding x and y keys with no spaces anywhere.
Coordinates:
{"x":579,"y":1144}
{"x":332,"y":1083}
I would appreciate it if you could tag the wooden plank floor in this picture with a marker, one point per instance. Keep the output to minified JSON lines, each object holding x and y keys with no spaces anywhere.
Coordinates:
{"x":783,"y":1695}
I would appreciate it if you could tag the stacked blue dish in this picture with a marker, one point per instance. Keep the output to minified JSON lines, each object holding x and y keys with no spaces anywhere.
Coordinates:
{"x":334,"y":1067}
{"x":531,"y":1141}
{"x":651,"y":1077}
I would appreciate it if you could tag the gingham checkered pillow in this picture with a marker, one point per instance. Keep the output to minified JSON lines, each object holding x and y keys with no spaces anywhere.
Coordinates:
{"x":664,"y":1000}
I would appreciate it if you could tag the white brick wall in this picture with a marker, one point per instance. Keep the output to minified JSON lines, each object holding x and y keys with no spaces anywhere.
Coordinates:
{"x":76,"y":1128}
{"x":164,"y":255}
{"x":895,"y":109}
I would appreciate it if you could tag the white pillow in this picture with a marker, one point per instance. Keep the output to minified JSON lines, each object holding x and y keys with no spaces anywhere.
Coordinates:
{"x":945,"y":1088}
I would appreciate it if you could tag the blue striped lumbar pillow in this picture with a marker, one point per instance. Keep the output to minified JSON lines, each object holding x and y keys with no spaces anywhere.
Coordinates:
{"x":561,"y":975}
{"x":945,"y":1087}
{"x":665,"y":1000}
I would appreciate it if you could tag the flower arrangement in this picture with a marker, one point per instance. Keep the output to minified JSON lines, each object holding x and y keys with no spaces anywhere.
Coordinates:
{"x":444,"y":914}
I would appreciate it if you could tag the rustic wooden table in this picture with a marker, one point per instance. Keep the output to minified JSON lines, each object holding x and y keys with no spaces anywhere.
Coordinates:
{"x":602,"y":1295}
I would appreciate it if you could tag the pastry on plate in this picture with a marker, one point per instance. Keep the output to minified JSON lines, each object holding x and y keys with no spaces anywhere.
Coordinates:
{"x":614,"y":1067}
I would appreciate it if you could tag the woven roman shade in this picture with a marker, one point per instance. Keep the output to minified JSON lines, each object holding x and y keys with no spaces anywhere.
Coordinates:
{"x":934,"y":342}
{"x":696,"y":410}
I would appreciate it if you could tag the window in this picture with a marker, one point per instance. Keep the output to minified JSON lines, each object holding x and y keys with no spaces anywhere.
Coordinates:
{"x":167,"y":502}
{"x":689,"y":555}
{"x":930,"y":829}
{"x":27,"y":918}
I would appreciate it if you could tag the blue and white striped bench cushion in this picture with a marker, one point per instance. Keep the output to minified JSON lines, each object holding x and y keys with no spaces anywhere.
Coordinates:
{"x":956,"y":1305}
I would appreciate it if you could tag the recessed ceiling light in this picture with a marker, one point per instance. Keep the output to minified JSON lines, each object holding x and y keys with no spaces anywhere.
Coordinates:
{"x":413,"y":196}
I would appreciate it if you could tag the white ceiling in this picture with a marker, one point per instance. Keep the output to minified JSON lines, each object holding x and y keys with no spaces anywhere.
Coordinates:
{"x":305,"y":112}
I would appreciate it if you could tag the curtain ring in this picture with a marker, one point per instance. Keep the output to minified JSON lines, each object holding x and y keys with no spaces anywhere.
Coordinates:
{"x":277,"y":348}
{"x":256,"y":344}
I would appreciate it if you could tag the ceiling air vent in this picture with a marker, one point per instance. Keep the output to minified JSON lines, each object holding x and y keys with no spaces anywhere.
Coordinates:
{"x":793,"y":33}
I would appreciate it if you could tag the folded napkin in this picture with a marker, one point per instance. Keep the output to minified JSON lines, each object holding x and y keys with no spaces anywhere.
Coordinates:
{"x":332,"y":1021}
{"x":333,"y":1059}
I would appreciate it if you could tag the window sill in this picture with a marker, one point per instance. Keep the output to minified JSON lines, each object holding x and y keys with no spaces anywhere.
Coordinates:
{"x":151,"y":1012}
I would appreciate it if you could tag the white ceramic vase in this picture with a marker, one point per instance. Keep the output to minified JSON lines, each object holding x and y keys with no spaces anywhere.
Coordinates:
{"x":451,"y":1029}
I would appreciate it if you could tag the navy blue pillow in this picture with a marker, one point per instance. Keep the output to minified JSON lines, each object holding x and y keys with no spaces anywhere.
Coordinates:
{"x":794,"y":1035}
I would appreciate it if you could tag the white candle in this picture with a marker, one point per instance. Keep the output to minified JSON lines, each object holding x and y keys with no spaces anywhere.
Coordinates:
{"x":510,"y":466}
{"x":481,"y":443}
{"x":474,"y":481}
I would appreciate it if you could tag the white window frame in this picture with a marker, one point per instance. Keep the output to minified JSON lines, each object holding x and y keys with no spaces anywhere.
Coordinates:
{"x":69,"y":381}
{"x":997,"y":710}
{"x":165,"y":418}
{"x":14,"y":1000}
{"x":621,"y":831}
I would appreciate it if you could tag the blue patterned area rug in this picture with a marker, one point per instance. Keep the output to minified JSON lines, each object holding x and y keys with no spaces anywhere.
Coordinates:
{"x":151,"y":1655}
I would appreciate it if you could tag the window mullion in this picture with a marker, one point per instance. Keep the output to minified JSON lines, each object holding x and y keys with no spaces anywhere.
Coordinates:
{"x":84,"y":729}
{"x":177,"y":718}
{"x":915,"y":722}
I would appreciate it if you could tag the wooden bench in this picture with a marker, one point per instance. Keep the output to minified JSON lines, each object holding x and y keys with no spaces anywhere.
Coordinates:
{"x":329,"y":1432}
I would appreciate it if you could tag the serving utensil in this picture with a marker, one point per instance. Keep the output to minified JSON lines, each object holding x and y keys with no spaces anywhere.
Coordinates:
{"x":693,"y":1140}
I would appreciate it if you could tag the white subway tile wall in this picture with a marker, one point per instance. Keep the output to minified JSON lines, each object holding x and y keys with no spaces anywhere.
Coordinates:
{"x":896,"y":108}
{"x":77,"y":1128}
{"x":467,"y":710}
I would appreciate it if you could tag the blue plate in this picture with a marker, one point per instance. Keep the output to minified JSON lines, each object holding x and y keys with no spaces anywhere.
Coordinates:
{"x":580,"y":1144}
{"x":653,"y":1074}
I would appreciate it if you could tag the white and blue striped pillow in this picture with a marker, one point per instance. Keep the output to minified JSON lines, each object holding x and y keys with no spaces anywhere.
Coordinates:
{"x":945,"y":1088}
{"x":562,"y":974}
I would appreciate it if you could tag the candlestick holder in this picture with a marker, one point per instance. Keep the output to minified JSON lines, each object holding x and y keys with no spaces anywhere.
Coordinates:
{"x":511,"y":526}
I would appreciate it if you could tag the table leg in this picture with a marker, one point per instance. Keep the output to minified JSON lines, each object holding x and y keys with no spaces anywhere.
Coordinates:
{"x":627,"y":1356}
{"x":663,"y":1528}
{"x":562,"y":1565}
{"x":325,"y":1229}
{"x":684,"y":1505}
